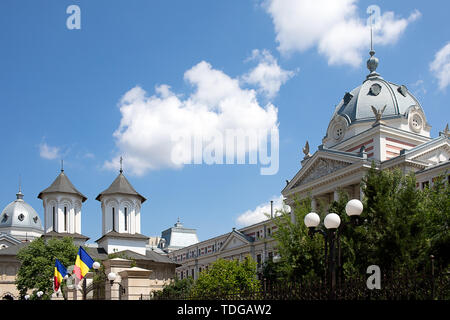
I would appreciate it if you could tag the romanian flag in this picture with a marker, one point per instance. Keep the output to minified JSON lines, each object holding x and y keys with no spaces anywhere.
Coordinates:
{"x":83,"y":263}
{"x":60,"y":273}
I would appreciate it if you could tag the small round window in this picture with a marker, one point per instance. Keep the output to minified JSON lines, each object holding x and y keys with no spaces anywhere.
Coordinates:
{"x":338,"y":131}
{"x":416,"y":123}
{"x":21,"y":217}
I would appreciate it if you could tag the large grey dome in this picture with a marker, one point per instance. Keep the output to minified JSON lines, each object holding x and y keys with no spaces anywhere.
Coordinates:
{"x":362,"y":107}
{"x":356,"y":105}
{"x":19,"y":214}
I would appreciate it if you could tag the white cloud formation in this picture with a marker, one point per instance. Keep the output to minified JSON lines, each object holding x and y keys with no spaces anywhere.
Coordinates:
{"x":268,"y":75}
{"x":333,"y":26}
{"x":261,"y":212}
{"x":218,"y":102}
{"x":49,"y":152}
{"x":440,"y":66}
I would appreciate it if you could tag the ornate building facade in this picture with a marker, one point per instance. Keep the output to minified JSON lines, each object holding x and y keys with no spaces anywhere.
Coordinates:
{"x":377,"y":122}
{"x":380,"y":122}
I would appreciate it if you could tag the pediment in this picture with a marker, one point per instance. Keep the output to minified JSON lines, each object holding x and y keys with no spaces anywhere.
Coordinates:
{"x":234,"y":240}
{"x":319,"y":168}
{"x":433,"y":156}
{"x":7,"y":241}
{"x":432,"y":153}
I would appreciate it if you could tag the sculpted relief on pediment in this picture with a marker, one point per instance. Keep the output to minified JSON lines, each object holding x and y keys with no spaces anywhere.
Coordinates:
{"x":321,"y":168}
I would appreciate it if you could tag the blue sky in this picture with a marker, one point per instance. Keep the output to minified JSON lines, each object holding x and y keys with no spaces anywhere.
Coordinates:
{"x":64,"y":93}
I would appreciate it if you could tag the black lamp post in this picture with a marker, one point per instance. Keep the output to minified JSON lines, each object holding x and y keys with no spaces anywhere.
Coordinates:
{"x":332,"y":223}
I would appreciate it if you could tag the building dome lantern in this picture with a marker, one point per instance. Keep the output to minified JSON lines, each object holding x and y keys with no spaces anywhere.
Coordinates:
{"x":374,"y":100}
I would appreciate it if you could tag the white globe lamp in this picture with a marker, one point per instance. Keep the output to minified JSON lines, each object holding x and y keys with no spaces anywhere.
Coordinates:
{"x":312,"y":220}
{"x":354,"y":208}
{"x":332,"y":221}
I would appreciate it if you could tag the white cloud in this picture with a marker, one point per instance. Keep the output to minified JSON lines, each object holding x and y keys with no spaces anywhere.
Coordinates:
{"x":261,"y":212}
{"x":49,"y":152}
{"x":334,"y":27}
{"x":145,"y":137}
{"x":268,"y":75}
{"x":440,"y":66}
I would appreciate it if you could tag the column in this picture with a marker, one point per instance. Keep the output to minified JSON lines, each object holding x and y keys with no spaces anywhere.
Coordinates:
{"x":335,"y":195}
{"x":313,"y":204}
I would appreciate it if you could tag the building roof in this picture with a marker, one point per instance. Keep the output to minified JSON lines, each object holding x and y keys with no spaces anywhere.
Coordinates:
{"x":13,"y":250}
{"x":375,"y":91}
{"x":101,"y":254}
{"x":115,"y":234}
{"x":54,"y":234}
{"x":178,"y":237}
{"x":21,"y":215}
{"x":62,"y":184}
{"x":120,"y":185}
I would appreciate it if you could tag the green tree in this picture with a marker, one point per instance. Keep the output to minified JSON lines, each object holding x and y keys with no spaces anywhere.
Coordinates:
{"x":226,"y":277}
{"x":38,"y":262}
{"x":176,"y":289}
{"x":436,"y":206}
{"x":393,"y":235}
{"x":302,"y":256}
{"x":401,"y":226}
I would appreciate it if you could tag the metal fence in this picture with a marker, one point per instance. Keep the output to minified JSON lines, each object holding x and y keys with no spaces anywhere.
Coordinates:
{"x":393,"y":287}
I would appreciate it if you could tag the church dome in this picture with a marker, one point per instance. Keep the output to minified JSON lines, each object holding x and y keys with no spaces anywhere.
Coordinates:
{"x":375,"y":94}
{"x":19,"y":214}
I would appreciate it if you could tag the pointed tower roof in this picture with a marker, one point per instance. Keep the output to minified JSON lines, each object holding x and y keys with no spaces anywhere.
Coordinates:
{"x":120,"y":186}
{"x":62,"y":184}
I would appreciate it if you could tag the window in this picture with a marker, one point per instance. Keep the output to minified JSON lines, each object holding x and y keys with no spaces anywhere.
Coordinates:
{"x":425,"y":184}
{"x":54,"y":219}
{"x":125,"y":217}
{"x":258,"y":260}
{"x":113,"y":219}
{"x":65,"y":218}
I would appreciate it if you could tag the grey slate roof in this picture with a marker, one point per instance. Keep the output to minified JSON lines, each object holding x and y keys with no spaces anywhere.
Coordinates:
{"x":101,"y":254}
{"x":62,"y":184}
{"x":115,"y":234}
{"x":120,"y":186}
{"x":13,"y":250}
{"x":53,"y":234}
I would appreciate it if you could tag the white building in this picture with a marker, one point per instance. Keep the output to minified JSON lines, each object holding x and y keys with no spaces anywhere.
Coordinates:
{"x":121,"y":218}
{"x":255,"y":241}
{"x":378,"y":121}
{"x":62,"y":209}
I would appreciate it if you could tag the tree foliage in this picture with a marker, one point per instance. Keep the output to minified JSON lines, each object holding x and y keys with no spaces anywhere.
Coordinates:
{"x":401,"y":227}
{"x":38,"y":262}
{"x":177,"y":288}
{"x":227,"y":277}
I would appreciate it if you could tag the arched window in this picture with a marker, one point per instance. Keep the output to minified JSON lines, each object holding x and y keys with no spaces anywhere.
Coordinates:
{"x":114,"y":219}
{"x":65,"y":218}
{"x":125,"y":214}
{"x":54,"y":218}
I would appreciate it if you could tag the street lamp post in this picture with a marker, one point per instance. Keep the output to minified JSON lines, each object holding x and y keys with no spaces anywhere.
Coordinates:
{"x":332,"y":222}
{"x":111,"y":277}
